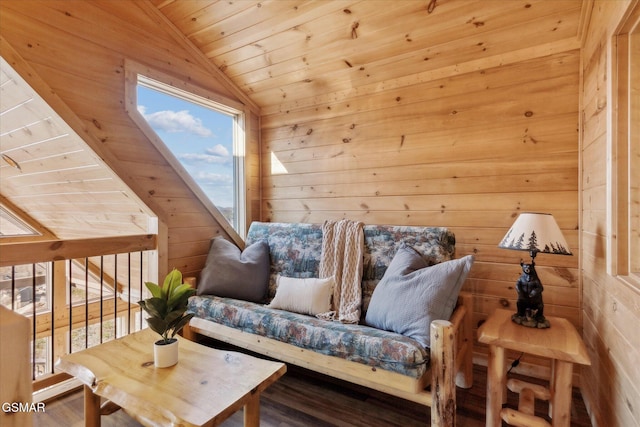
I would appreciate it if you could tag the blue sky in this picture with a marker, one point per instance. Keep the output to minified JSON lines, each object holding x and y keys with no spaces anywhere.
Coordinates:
{"x":200,"y":138}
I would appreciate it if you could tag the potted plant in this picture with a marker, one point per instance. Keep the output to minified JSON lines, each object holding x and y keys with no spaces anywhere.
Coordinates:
{"x":167,"y":317}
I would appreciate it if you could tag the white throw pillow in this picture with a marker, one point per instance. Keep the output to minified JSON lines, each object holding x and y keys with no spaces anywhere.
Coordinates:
{"x":306,"y":296}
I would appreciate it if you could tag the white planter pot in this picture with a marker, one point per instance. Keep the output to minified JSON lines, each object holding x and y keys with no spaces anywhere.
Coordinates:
{"x":165,"y":355}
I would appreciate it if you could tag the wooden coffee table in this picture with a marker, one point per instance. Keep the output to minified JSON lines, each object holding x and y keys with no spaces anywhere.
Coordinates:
{"x":206,"y":386}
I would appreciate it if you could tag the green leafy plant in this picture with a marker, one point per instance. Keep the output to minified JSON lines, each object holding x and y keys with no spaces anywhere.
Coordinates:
{"x":167,"y":306}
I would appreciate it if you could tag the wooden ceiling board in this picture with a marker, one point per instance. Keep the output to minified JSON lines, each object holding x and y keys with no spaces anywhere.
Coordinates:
{"x":292,"y":87}
{"x":333,"y":62}
{"x":291,"y":20}
{"x":56,"y":173}
{"x":67,"y":200}
{"x":323,"y":33}
{"x":234,"y":32}
{"x":382,"y":32}
{"x":314,"y":43}
{"x":194,"y":17}
{"x":52,"y":189}
{"x":280,"y":51}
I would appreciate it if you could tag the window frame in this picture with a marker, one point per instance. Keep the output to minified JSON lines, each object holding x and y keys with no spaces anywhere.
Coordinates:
{"x":138,"y":74}
{"x":39,"y":232}
{"x":624,"y":173}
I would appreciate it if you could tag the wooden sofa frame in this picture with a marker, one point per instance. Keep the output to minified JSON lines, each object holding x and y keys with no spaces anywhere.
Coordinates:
{"x":451,"y":361}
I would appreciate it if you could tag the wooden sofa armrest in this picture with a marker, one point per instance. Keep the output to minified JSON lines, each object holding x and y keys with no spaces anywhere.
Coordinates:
{"x":451,"y":361}
{"x":443,"y":389}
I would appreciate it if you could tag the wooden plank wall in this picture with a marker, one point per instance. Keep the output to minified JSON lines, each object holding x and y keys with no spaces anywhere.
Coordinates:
{"x":468,"y":150}
{"x":611,"y":316}
{"x":84,"y":69}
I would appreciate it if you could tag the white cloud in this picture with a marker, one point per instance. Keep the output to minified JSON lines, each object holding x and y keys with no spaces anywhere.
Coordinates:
{"x":214,"y":155}
{"x":175,"y":121}
{"x":210,"y":178}
{"x":219,"y":150}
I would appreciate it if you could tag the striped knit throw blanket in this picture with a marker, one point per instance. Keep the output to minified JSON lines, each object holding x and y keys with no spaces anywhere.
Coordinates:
{"x":342,"y":258}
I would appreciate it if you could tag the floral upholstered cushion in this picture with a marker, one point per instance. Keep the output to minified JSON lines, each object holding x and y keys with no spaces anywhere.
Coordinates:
{"x":381,"y":242}
{"x":294,"y":249}
{"x":370,"y":346}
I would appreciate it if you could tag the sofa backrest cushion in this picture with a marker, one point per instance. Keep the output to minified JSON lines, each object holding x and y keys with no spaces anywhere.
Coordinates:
{"x":295,"y":249}
{"x":381,"y":242}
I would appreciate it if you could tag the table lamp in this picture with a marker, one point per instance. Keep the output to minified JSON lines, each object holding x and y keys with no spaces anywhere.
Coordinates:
{"x":535,"y":233}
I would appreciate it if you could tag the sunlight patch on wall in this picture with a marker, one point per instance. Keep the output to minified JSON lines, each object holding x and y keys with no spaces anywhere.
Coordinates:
{"x":277,"y":168}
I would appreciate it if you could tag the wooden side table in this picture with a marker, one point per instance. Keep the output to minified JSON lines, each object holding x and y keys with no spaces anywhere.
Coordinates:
{"x":561,"y":343}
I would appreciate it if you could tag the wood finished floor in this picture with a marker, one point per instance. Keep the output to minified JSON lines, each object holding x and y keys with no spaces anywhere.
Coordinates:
{"x":304,"y":399}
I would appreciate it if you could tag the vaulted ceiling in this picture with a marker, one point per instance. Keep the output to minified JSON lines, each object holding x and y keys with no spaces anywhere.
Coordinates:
{"x":279,"y":54}
{"x":288,"y":52}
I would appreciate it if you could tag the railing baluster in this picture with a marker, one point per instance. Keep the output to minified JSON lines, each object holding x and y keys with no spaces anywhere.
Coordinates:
{"x":141,"y":283}
{"x":129,"y":292}
{"x":101,"y":298}
{"x":115,"y":298}
{"x":13,"y":287}
{"x":52,"y":343}
{"x":70,"y":307}
{"x":86,"y":303}
{"x":33,"y":312}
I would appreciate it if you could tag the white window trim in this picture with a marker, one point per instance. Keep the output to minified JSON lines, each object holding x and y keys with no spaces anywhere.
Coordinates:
{"x":136,"y":73}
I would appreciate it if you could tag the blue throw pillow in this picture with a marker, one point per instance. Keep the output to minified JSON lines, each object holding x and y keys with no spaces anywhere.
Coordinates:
{"x":232,"y":273}
{"x":411,"y":294}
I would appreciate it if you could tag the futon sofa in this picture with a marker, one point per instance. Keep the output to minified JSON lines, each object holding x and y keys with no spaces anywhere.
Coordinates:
{"x":403,"y":363}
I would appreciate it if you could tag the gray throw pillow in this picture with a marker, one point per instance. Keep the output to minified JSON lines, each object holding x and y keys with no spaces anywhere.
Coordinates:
{"x":411,"y":294}
{"x":231,"y":273}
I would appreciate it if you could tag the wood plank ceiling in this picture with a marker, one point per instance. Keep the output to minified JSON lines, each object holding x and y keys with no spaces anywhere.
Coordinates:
{"x":49,"y":172}
{"x":289,"y":53}
{"x":312,"y":58}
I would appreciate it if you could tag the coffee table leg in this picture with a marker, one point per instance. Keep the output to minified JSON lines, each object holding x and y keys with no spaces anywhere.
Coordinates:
{"x":91,"y":408}
{"x":252,"y":411}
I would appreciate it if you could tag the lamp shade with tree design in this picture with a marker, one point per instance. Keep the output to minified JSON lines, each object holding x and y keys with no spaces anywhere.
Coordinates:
{"x":535,"y":233}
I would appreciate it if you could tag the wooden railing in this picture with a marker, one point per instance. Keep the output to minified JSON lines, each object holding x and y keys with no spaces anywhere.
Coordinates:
{"x":77,"y":293}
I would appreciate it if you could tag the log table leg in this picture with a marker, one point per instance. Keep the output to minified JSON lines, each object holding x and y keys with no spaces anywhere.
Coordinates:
{"x":252,"y":411}
{"x":561,"y":393}
{"x":561,"y":343}
{"x":91,"y":408}
{"x":495,"y":385}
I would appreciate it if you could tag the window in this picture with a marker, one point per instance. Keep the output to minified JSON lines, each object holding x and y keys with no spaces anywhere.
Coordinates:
{"x":625,"y":155}
{"x":26,"y":289}
{"x":203,"y":139}
{"x":11,"y":225}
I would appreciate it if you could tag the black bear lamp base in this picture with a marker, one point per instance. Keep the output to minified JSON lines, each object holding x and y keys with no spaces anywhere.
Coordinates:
{"x":530,"y":321}
{"x":530,"y":306}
